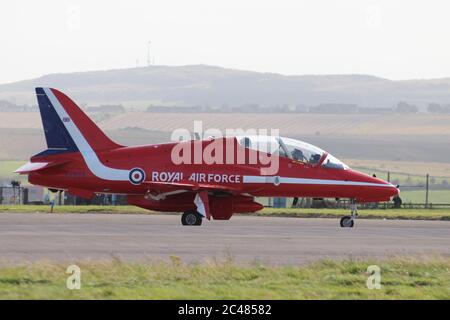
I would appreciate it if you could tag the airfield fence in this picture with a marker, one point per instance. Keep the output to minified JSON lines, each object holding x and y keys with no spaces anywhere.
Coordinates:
{"x":345,"y":204}
{"x":425,"y":206}
{"x":391,"y":205}
{"x":10,"y":195}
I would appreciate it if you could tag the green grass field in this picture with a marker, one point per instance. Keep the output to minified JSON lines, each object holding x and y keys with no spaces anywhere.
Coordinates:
{"x":414,"y":214}
{"x":401,"y":170}
{"x":7,"y":169}
{"x":401,"y":278}
{"x":418,"y":196}
{"x":73,"y":209}
{"x":419,"y":214}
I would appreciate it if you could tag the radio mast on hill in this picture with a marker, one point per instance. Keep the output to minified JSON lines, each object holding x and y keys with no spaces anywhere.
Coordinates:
{"x":149,"y":61}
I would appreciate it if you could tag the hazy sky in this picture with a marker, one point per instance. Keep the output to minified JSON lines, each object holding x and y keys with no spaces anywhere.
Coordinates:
{"x":396,"y":39}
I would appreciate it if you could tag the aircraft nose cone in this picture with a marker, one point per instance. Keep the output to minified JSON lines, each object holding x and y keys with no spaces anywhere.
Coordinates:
{"x":396,"y":190}
{"x":393,"y":190}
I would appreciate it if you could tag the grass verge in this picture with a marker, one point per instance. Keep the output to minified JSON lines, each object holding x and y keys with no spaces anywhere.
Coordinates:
{"x":72,"y":209}
{"x":401,"y":278}
{"x":413,"y":214}
{"x":399,"y":214}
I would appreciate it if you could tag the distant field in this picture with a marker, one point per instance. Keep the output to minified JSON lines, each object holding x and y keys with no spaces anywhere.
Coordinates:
{"x":393,"y":137}
{"x":402,"y":168}
{"x":392,"y":125}
{"x":419,"y":214}
{"x":21,"y":144}
{"x":401,"y":278}
{"x":20,"y":120}
{"x":291,"y":124}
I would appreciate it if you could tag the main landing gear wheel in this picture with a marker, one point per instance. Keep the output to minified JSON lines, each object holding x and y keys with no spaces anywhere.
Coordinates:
{"x":191,"y":218}
{"x":347,"y":222}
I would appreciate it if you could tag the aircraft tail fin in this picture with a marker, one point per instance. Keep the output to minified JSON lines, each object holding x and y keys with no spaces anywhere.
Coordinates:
{"x":67,"y":128}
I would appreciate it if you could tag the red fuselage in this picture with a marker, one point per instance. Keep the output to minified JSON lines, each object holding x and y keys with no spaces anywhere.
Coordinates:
{"x":215,"y":177}
{"x":244,"y":181}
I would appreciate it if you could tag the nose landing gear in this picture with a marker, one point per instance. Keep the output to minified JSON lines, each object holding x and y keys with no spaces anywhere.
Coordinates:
{"x":348,"y":221}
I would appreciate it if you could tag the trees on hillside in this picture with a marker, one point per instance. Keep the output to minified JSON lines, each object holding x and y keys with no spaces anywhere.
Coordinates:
{"x":403,"y":107}
{"x":438,"y":108}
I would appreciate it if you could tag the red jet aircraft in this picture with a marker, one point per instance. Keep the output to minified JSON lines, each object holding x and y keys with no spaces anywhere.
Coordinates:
{"x":82,"y":160}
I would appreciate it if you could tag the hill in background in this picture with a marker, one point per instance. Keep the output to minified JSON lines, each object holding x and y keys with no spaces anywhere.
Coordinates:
{"x":201,"y":85}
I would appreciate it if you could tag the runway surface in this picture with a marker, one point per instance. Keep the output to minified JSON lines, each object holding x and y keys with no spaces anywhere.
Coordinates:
{"x":79,"y":237}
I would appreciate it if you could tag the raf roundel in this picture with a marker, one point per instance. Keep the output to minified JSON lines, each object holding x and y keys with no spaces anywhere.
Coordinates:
{"x":137,"y":176}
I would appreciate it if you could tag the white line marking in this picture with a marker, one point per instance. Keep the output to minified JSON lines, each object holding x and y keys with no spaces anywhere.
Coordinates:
{"x":287,"y":180}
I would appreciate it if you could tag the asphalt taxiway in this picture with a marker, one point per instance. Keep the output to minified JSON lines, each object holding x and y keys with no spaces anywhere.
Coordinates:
{"x":245,"y":239}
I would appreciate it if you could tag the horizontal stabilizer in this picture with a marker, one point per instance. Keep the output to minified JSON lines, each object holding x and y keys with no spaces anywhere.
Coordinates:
{"x":37,"y":166}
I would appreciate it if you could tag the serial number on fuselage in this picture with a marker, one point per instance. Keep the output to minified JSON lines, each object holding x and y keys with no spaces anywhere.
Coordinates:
{"x":176,"y":176}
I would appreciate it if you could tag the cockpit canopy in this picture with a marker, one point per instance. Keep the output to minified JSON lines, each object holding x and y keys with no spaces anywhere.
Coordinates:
{"x":290,"y":148}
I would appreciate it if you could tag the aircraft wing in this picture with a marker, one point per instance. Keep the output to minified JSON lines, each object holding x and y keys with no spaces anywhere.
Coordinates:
{"x":190,"y":186}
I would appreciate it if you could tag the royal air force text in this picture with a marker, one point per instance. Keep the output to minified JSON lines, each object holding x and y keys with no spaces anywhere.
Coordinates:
{"x":176,"y":176}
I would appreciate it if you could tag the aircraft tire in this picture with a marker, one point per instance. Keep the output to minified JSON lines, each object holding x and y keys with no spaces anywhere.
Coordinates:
{"x":347,"y":222}
{"x":191,"y":218}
